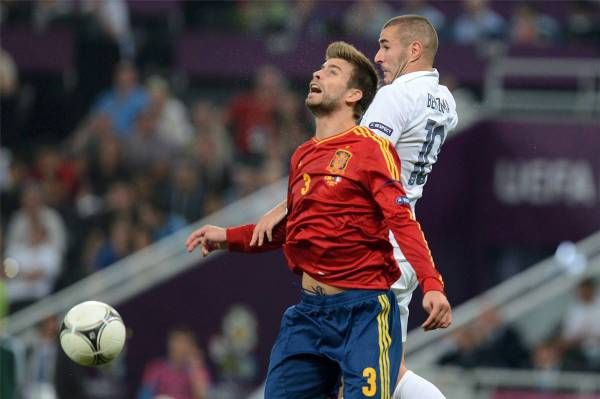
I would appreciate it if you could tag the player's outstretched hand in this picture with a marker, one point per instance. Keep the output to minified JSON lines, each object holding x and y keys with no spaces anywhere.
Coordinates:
{"x":267,"y":222}
{"x":437,"y":306}
{"x":209,"y":238}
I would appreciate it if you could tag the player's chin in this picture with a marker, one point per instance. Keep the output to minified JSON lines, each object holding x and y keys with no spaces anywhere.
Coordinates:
{"x":313,"y":98}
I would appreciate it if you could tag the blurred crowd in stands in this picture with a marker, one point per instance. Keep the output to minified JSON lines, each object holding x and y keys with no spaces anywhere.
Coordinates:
{"x":126,"y":159}
{"x":572,"y":345}
{"x":103,"y":160}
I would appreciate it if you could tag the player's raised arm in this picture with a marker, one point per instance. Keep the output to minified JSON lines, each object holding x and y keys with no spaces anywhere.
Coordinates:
{"x":383,"y":171}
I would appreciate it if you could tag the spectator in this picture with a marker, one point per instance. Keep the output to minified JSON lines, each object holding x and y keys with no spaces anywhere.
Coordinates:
{"x":41,"y":362}
{"x":117,"y":246}
{"x":145,"y":147}
{"x":424,"y":9}
{"x":487,"y":342}
{"x":583,"y":21}
{"x":125,"y":101}
{"x":581,"y":324}
{"x":365,"y":18}
{"x":142,"y":237}
{"x":112,"y":17}
{"x":33,"y":211}
{"x":52,"y":167}
{"x":48,"y":12}
{"x":11,"y":184}
{"x":187,"y":193}
{"x":9,"y":79}
{"x":212,"y":150}
{"x":9,"y":96}
{"x":15,"y":13}
{"x":107,"y":165}
{"x":292,"y":124}
{"x":173,"y":125}
{"x":252,"y":115}
{"x":529,"y":27}
{"x":120,"y":201}
{"x":92,"y":132}
{"x":478,"y":23}
{"x":464,"y":351}
{"x":209,"y":121}
{"x":182,"y":375}
{"x":156,"y":217}
{"x":38,"y":264}
{"x":500,"y":345}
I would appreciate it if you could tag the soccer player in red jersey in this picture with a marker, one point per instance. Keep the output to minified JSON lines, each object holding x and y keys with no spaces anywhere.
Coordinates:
{"x":344,"y":196}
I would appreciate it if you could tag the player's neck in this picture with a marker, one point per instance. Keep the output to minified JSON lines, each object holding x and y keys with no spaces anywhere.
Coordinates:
{"x":417,"y":67}
{"x":330,"y":125}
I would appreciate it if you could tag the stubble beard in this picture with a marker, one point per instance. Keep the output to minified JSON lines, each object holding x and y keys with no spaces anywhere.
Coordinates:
{"x":323,"y":108}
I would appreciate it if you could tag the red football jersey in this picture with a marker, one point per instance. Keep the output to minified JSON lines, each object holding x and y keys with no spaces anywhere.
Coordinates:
{"x":344,"y":195}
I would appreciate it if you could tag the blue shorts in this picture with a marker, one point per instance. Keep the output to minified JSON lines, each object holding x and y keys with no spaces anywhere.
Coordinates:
{"x":355,"y":334}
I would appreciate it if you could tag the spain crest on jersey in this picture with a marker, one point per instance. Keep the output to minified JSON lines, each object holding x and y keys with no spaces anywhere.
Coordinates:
{"x":339,"y":162}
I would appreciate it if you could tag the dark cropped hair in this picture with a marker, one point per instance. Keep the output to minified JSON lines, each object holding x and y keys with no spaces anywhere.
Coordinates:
{"x":364,"y":77}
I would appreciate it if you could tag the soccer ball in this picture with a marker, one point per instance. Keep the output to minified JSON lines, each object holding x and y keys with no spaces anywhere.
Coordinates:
{"x":92,"y":333}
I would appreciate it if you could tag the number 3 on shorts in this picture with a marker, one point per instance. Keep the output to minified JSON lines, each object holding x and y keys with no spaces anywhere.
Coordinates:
{"x":371,"y":389}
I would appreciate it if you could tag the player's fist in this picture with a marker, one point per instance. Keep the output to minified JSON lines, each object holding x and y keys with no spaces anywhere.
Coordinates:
{"x":267,"y":222}
{"x":437,"y":306}
{"x":209,"y":238}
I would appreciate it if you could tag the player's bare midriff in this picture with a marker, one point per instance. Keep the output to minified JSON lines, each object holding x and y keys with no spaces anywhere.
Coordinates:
{"x":312,"y":286}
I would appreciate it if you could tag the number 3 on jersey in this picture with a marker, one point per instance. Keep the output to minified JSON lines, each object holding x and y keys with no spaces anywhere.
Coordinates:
{"x":306,"y":187}
{"x":423,"y":166}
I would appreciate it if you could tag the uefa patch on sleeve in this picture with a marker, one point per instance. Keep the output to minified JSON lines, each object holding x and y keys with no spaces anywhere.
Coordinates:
{"x":402,"y":200}
{"x":381,"y":127}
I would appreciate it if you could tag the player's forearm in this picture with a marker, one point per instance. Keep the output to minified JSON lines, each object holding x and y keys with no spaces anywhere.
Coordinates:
{"x":238,"y":239}
{"x":412,"y":243}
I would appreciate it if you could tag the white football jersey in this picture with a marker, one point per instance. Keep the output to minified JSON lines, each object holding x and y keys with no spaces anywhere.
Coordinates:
{"x":416,"y":114}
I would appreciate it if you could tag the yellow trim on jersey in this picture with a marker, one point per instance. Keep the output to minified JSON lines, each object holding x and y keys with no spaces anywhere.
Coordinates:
{"x":335,"y":136}
{"x":384,"y":345}
{"x":385,"y":150}
{"x":428,"y":249}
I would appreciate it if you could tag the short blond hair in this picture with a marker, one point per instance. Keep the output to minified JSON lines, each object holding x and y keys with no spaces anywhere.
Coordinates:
{"x":416,"y":28}
{"x":364,"y":77}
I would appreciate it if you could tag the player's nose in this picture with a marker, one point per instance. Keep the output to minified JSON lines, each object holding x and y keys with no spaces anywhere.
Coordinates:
{"x":378,"y":57}
{"x":317,"y":74}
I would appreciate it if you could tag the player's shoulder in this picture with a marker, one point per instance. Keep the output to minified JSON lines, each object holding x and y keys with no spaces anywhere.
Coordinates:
{"x":397,"y":91}
{"x":368,"y":140}
{"x":303,"y":148}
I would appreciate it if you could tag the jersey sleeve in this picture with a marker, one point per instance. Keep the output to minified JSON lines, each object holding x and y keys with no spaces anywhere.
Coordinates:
{"x":382,"y":174}
{"x":387,"y":116}
{"x":238,"y":238}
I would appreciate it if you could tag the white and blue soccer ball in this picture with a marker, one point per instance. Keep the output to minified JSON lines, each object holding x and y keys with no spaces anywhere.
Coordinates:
{"x":92,"y":333}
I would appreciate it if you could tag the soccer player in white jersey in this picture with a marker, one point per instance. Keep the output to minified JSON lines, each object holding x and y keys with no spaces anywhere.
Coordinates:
{"x":415,"y":113}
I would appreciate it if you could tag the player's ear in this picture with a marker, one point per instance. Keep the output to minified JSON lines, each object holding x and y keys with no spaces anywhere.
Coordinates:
{"x":354,"y":95}
{"x":415,"y":50}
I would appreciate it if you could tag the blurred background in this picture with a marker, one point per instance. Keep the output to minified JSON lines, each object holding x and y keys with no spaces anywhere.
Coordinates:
{"x":126,"y":123}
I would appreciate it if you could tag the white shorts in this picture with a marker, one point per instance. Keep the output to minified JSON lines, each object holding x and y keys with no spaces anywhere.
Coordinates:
{"x":403,"y":288}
